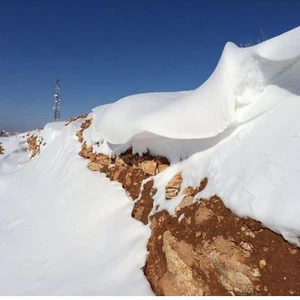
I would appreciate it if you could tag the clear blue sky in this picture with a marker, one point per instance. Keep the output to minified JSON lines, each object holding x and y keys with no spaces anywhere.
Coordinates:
{"x":107,"y":49}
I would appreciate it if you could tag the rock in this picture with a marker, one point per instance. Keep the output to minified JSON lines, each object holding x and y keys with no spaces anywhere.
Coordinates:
{"x":71,"y":120}
{"x":262,"y":263}
{"x":203,"y":184}
{"x":246,"y":246}
{"x":144,"y":205}
{"x":186,"y":201}
{"x":255,"y":272}
{"x":94,"y":166}
{"x":206,"y":253}
{"x":1,"y":149}
{"x":161,"y":167}
{"x":34,"y":145}
{"x":171,"y":193}
{"x":133,"y":181}
{"x":86,"y":124}
{"x":101,"y":159}
{"x":119,"y":161}
{"x":79,"y":134}
{"x":202,"y":214}
{"x":179,"y":279}
{"x":173,"y":186}
{"x":86,"y":152}
{"x":148,"y":166}
{"x":190,"y":191}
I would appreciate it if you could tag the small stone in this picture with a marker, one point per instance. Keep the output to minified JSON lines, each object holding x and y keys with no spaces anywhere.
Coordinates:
{"x":190,"y":191}
{"x":220,"y":218}
{"x":257,"y":288}
{"x":148,"y":167}
{"x":255,"y":272}
{"x":93,"y":166}
{"x":246,"y":254}
{"x":262,"y":263}
{"x":159,"y":237}
{"x":173,"y":186}
{"x":186,"y":201}
{"x":198,"y":233}
{"x":243,"y":228}
{"x":161,"y":167}
{"x":246,"y":246}
{"x":294,"y":251}
{"x":171,"y":193}
{"x":252,"y":234}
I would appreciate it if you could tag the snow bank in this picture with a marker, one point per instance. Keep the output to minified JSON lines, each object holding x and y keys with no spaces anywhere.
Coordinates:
{"x":232,"y":95}
{"x":240,"y":129}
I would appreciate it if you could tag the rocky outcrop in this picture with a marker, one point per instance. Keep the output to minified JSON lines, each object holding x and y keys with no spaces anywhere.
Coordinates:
{"x":34,"y":145}
{"x":86,"y":124}
{"x":1,"y":149}
{"x":131,"y":170}
{"x":143,"y":207}
{"x":204,"y":248}
{"x":71,"y":120}
{"x":173,"y":186}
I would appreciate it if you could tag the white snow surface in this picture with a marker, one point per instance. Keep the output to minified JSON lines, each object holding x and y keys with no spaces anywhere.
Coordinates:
{"x":238,"y":90}
{"x":65,"y":230}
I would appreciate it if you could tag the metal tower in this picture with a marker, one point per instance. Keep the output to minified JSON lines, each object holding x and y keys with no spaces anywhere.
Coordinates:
{"x":56,"y":107}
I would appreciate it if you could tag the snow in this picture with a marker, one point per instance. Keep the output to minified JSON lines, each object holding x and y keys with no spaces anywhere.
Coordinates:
{"x":232,"y":94}
{"x":240,"y":129}
{"x":66,"y":230}
{"x":15,"y":154}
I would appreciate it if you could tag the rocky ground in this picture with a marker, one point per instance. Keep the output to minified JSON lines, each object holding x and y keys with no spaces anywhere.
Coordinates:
{"x":34,"y":143}
{"x":204,"y":248}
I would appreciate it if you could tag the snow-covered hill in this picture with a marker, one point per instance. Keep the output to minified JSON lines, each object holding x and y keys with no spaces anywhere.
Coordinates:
{"x":67,"y":230}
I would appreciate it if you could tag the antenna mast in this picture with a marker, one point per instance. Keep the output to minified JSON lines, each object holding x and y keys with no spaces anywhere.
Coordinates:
{"x":56,"y":107}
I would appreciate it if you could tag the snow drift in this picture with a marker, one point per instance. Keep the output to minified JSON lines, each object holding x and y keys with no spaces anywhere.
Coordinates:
{"x":245,"y":83}
{"x":240,"y":129}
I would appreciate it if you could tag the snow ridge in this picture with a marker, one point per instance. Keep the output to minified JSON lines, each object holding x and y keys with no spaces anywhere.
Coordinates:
{"x":240,"y":129}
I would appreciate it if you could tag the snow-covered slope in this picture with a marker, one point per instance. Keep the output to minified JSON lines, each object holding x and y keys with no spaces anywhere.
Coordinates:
{"x":66,"y":230}
{"x":63,"y":229}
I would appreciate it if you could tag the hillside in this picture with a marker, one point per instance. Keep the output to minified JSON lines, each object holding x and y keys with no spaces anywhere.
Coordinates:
{"x":183,"y":193}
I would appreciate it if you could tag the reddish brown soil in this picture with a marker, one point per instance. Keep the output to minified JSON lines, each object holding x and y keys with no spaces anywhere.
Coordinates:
{"x":271,"y":264}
